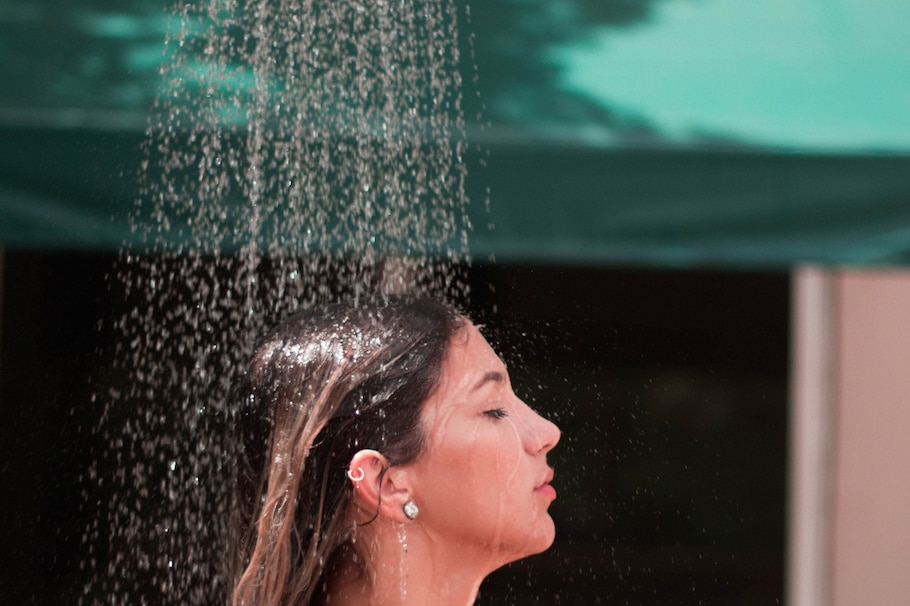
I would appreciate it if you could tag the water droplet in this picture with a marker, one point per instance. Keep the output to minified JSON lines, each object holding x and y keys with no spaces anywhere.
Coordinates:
{"x":270,"y":197}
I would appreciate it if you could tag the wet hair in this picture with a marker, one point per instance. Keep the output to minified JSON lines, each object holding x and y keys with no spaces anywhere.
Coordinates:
{"x":322,"y":385}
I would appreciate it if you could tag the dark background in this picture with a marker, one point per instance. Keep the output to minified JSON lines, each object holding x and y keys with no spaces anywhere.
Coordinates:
{"x":669,"y":387}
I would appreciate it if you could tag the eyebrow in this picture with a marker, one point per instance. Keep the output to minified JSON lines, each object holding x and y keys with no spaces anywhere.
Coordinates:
{"x":493,"y":375}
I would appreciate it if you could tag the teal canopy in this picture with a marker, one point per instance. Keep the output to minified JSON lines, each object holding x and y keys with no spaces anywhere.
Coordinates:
{"x":664,"y":132}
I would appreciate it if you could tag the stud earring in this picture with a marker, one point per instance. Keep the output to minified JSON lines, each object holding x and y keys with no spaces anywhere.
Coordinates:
{"x":357,"y":478}
{"x":410,"y":509}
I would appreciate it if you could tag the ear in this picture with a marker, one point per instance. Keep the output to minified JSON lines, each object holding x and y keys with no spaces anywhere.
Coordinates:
{"x":382,"y":489}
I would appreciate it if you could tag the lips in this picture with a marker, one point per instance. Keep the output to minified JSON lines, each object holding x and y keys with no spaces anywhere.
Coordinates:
{"x":545,"y":488}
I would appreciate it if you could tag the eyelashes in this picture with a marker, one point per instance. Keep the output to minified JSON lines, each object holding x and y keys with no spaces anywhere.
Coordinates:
{"x":496,"y":413}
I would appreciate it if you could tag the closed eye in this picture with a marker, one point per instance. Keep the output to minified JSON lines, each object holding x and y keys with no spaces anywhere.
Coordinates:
{"x":496,"y":413}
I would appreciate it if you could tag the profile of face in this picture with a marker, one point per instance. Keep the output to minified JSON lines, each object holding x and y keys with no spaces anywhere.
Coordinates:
{"x":482,"y":481}
{"x":414,"y":401}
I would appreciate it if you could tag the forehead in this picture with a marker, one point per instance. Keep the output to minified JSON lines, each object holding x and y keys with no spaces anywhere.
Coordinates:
{"x":471,"y":372}
{"x":469,"y":353}
{"x":468,"y":361}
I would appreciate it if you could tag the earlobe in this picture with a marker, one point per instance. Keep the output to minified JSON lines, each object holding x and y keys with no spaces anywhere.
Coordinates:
{"x":397,"y":495}
{"x":410,"y":509}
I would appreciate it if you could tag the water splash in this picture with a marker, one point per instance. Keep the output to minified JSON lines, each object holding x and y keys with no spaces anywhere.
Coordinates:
{"x":299,"y":151}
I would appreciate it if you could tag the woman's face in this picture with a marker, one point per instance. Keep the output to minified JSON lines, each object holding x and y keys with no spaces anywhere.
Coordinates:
{"x":483,"y":479}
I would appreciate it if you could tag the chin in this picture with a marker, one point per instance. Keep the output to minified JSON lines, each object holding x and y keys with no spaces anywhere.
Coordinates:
{"x":544,"y":533}
{"x":545,"y":541}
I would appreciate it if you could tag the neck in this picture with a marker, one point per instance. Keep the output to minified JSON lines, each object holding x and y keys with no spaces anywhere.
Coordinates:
{"x":397,"y":564}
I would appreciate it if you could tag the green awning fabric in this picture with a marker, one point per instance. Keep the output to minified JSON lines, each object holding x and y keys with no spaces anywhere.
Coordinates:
{"x":610,"y":132}
{"x":549,"y":203}
{"x":690,"y":207}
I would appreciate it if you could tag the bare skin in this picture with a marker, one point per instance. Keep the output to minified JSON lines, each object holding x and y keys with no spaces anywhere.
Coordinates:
{"x":482,"y":486}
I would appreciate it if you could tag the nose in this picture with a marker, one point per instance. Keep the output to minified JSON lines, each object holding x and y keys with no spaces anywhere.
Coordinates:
{"x":541,"y":435}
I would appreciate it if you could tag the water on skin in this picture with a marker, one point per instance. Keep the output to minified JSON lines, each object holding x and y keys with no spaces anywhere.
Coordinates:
{"x":298,"y":151}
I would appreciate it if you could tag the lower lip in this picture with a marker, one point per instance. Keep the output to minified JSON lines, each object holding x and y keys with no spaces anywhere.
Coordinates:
{"x":546,"y":490}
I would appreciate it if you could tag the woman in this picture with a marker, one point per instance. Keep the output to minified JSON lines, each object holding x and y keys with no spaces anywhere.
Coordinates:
{"x":384,"y":459}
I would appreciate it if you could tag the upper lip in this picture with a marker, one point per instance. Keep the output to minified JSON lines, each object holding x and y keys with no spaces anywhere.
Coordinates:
{"x":547,"y":479}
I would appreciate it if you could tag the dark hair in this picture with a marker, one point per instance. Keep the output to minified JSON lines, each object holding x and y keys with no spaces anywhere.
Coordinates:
{"x":322,"y":385}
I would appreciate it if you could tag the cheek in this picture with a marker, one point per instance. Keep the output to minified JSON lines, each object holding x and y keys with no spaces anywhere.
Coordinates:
{"x":479,"y":492}
{"x":498,"y":468}
{"x":478,"y":470}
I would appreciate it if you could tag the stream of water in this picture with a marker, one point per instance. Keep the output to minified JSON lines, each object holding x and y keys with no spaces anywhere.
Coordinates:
{"x":298,"y":151}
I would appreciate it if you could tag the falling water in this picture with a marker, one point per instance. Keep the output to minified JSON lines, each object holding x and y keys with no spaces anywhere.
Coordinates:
{"x":299,"y":151}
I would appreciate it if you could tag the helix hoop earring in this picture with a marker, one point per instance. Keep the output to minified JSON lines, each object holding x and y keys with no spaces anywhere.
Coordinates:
{"x":410,"y":509}
{"x":357,"y":478}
